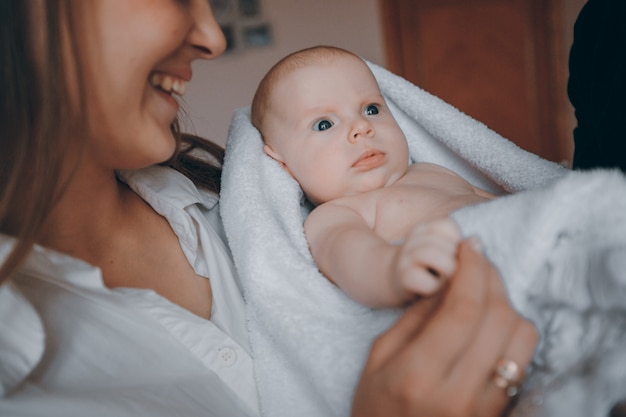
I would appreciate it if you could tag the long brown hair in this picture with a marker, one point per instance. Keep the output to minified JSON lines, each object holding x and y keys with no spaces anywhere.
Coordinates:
{"x":37,"y":121}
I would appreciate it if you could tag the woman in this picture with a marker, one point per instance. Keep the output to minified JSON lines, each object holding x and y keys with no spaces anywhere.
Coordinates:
{"x":128,"y":304}
{"x":596,"y":86}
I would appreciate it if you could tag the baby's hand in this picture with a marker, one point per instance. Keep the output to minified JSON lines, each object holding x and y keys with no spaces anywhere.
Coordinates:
{"x":427,"y":257}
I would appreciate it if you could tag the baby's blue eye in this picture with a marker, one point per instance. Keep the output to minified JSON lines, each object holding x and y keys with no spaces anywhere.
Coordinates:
{"x":371,"y":110}
{"x":323,"y":125}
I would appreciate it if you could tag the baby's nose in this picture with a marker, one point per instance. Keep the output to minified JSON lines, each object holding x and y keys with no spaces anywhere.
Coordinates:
{"x":362,"y":128}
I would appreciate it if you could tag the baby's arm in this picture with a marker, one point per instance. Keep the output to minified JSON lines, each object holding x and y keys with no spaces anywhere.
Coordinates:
{"x":371,"y":270}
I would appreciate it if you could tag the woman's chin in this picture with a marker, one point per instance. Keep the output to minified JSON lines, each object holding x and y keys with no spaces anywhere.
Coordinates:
{"x":165,"y":150}
{"x":157,"y":156}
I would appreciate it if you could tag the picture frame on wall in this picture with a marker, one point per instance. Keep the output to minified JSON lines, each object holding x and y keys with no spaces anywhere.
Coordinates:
{"x":242,"y":23}
{"x":249,"y":8}
{"x":222,"y":9}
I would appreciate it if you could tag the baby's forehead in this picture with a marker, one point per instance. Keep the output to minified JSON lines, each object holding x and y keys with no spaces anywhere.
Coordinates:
{"x":292,"y":83}
{"x":319,"y":60}
{"x":317,"y":70}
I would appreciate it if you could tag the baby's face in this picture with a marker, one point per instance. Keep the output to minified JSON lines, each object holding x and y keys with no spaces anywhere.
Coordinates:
{"x":330,"y":127}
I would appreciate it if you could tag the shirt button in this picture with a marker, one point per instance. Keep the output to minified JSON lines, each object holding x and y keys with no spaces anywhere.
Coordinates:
{"x":227,"y":355}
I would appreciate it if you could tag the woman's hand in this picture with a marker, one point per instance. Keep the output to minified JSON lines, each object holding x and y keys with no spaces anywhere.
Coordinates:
{"x":439,"y":359}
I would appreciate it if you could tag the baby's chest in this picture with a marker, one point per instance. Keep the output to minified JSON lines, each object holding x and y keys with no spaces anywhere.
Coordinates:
{"x":397,"y":212}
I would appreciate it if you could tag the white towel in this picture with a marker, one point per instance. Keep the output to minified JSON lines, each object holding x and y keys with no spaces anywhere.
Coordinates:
{"x":309,"y":340}
{"x":561,"y":250}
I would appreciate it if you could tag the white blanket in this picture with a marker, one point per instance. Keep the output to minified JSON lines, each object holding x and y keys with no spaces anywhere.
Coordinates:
{"x":310,"y":341}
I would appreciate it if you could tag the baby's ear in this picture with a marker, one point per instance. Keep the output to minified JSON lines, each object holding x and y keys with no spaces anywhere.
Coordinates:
{"x":276,"y":156}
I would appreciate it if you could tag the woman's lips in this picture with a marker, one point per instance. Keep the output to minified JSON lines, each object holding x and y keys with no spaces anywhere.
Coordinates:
{"x":369,"y":160}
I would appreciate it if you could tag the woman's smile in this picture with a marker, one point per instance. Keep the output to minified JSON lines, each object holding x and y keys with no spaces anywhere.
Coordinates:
{"x":169,"y":83}
{"x":167,"y":86}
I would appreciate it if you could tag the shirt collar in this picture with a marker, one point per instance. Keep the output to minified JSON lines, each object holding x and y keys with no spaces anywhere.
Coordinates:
{"x":165,"y":188}
{"x":171,"y":194}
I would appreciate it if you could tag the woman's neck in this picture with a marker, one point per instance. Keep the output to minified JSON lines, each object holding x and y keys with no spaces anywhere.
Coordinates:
{"x":93,"y":206}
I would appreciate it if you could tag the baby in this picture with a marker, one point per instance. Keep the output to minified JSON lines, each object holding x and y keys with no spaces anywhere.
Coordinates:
{"x":323,"y":118}
{"x":382,"y":231}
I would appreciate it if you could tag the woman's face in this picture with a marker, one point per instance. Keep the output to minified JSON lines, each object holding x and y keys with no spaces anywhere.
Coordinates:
{"x":137,"y":57}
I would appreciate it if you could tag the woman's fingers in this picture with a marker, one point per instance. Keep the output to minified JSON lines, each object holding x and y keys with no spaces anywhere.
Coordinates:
{"x":503,"y":338}
{"x":453,"y":326}
{"x":521,"y":346}
{"x":386,"y":385}
{"x":396,"y":339}
{"x":491,"y":337}
{"x":515,"y":359}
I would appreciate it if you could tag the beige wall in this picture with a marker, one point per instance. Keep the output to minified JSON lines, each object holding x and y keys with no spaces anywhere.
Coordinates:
{"x":218,"y":87}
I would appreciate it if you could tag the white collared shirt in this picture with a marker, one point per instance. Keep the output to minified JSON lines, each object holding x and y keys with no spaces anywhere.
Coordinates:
{"x":69,"y":346}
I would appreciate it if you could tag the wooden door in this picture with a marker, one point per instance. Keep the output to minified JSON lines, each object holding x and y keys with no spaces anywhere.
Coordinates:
{"x":496,"y":60}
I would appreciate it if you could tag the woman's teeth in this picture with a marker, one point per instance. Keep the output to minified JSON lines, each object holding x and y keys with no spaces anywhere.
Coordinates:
{"x":169,"y":83}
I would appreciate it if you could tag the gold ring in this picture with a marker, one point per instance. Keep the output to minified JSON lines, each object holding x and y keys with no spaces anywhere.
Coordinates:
{"x":508,"y":375}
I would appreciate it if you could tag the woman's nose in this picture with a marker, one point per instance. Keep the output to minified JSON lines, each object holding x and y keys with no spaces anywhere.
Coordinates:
{"x":206,"y":36}
{"x":362,"y":128}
